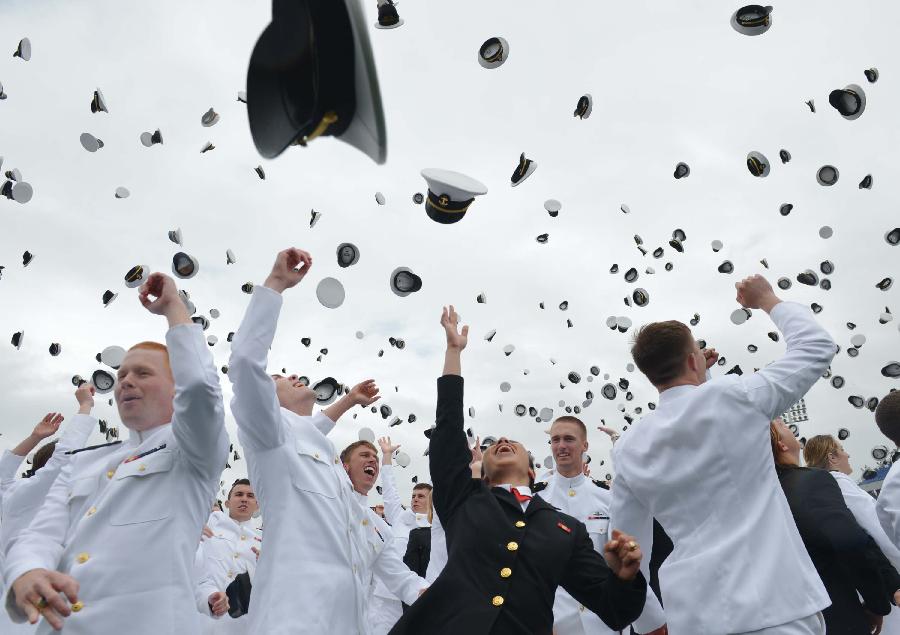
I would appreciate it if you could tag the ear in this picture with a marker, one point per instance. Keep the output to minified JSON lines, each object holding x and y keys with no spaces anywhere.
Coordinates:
{"x":692,"y":363}
{"x":531,"y":474}
{"x":586,"y":445}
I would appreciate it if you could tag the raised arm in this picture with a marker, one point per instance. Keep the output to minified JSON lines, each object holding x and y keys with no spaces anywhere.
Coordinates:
{"x":21,"y":503}
{"x":11,"y":460}
{"x":255,"y":405}
{"x":809,"y":350}
{"x":397,"y":577}
{"x":394,"y":511}
{"x":198,"y":422}
{"x":448,"y":453}
{"x":362,"y":394}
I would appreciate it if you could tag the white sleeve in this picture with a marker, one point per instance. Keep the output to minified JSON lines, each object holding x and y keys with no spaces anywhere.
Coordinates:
{"x":397,"y":577}
{"x":204,"y":584}
{"x":628,"y":514}
{"x":809,"y":351}
{"x":41,"y":545}
{"x":888,"y":506}
{"x":22,"y":502}
{"x":438,"y":558}
{"x":255,"y":405}
{"x":9,"y":467}
{"x":198,"y":423}
{"x":394,"y":511}
{"x":322,"y":423}
{"x":862,"y":506}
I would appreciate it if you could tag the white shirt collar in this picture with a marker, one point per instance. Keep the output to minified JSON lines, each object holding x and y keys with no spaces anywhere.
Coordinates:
{"x":524,"y":490}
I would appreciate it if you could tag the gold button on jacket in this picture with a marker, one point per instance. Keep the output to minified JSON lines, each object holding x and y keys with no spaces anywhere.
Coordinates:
{"x":497,"y":601}
{"x":82,"y":558}
{"x":512,"y":546}
{"x":505,"y":572}
{"x":520,"y":523}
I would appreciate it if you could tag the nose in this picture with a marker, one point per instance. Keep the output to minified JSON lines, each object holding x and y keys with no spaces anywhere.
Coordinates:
{"x":502,"y":440}
{"x":125,"y":382}
{"x":294,"y":377}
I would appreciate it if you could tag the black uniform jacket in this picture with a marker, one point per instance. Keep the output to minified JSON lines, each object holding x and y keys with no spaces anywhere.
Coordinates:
{"x":846,"y":557}
{"x":504,"y":565}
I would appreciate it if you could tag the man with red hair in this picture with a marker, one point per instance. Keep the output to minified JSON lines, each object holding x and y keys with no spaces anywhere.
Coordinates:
{"x":111,"y":550}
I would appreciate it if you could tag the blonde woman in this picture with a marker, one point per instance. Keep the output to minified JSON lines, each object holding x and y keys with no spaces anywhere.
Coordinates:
{"x":826,"y":452}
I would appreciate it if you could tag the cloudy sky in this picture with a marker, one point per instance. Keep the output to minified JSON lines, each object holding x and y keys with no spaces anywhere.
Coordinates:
{"x":671,"y":82}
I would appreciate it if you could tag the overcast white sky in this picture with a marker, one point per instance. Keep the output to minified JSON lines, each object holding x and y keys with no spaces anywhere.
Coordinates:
{"x":671,"y":82}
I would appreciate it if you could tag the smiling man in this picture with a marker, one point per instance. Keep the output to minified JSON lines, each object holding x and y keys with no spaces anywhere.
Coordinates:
{"x":112,"y":548}
{"x":360,"y":460}
{"x":509,"y":550}
{"x":567,"y":488}
{"x":231,"y":550}
{"x":313,"y":576}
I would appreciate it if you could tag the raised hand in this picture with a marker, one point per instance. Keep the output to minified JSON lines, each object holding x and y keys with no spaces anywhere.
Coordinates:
{"x":364,"y":393}
{"x":587,"y":470}
{"x":291,"y":266}
{"x":450,"y":321}
{"x":84,"y":395}
{"x":755,"y":292}
{"x":612,"y":432}
{"x":159,"y":295}
{"x":623,"y":555}
{"x":387,"y":450}
{"x":48,"y":426}
{"x":218,"y":603}
{"x":477,"y":454}
{"x":38,"y":592}
{"x":711,"y":355}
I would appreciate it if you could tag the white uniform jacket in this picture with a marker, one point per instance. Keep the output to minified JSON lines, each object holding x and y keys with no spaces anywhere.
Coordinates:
{"x":314,"y":574}
{"x":888,"y":506}
{"x":124,"y":519}
{"x":702,"y":465}
{"x":862,"y":506}
{"x":585,"y":500}
{"x":401,"y":520}
{"x":438,"y":558}
{"x":21,"y":498}
{"x":222,"y":557}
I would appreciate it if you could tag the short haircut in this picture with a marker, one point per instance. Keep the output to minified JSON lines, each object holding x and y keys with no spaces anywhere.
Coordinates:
{"x":153,"y":346}
{"x":41,"y":457}
{"x":350,"y":449}
{"x":424,"y":486}
{"x":240,"y":481}
{"x":659,"y":349}
{"x":887,"y":416}
{"x":817,"y":449}
{"x":570,"y":419}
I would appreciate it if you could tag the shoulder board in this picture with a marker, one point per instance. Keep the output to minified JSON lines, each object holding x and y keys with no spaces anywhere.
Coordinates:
{"x":539,"y":486}
{"x":601,"y":484}
{"x":93,"y":447}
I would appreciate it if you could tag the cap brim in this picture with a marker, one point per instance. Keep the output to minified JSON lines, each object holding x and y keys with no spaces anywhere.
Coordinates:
{"x":489,"y":65}
{"x":392,"y":26}
{"x":270,"y":124}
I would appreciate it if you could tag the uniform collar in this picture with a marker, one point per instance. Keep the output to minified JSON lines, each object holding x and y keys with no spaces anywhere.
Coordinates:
{"x":136,"y":438}
{"x":524,"y":490}
{"x":675,"y":392}
{"x":571,"y":483}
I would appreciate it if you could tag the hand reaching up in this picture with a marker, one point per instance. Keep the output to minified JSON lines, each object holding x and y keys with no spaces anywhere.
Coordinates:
{"x":291,"y":266}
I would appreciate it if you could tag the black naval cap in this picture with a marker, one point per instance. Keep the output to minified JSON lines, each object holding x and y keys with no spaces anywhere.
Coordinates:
{"x":311,"y":74}
{"x":682,"y":170}
{"x":850,"y":101}
{"x":493,"y":52}
{"x":347,"y":254}
{"x":403,"y":281}
{"x":752,"y":19}
{"x":387,"y":15}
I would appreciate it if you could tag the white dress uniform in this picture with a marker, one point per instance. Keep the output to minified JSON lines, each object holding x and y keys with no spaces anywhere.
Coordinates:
{"x":888,"y":506}
{"x":21,"y":498}
{"x":124,"y":520}
{"x":384,"y":607}
{"x":701,"y":464}
{"x":582,"y":498}
{"x":438,"y":558}
{"x":321,"y":541}
{"x":862,"y":506}
{"x":222,"y":557}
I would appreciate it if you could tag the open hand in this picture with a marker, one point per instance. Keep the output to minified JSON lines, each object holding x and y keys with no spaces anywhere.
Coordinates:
{"x":613,"y":434}
{"x":291,"y":266}
{"x":48,"y":425}
{"x":387,"y":449}
{"x":450,"y":321}
{"x":364,"y":393}
{"x":477,"y":454}
{"x":218,"y":603}
{"x":38,"y":592}
{"x":623,"y":555}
